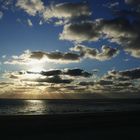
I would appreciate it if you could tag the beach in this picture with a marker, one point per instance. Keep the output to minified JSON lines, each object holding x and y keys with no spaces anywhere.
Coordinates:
{"x":113,"y":125}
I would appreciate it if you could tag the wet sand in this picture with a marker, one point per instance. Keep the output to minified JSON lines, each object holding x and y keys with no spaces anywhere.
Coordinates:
{"x":109,"y":125}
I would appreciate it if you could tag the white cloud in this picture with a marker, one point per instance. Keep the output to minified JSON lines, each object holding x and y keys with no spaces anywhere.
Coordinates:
{"x":29,"y":22}
{"x":66,"y":10}
{"x":40,"y":22}
{"x":32,"y":7}
{"x":4,"y":56}
{"x":1,"y":14}
{"x":106,"y":52}
{"x":111,"y":5}
{"x":61,"y":11}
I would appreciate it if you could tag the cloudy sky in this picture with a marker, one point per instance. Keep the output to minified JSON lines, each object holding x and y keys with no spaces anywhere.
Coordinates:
{"x":69,"y":48}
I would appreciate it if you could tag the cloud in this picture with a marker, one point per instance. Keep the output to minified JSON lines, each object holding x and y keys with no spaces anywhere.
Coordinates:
{"x":126,"y":75}
{"x":1,"y":14}
{"x":85,"y":51}
{"x":32,"y":7}
{"x":133,"y":12}
{"x":66,"y":11}
{"x":124,"y":33}
{"x":111,"y":5}
{"x":119,"y":82}
{"x":132,"y":1}
{"x":56,"y":79}
{"x":69,"y":72}
{"x":51,"y":72}
{"x":115,"y":83}
{"x":4,"y":56}
{"x":86,"y":83}
{"x":118,"y":30}
{"x":76,"y":72}
{"x":29,"y":22}
{"x":132,"y":74}
{"x":81,"y":52}
{"x":4,"y":4}
{"x":106,"y":52}
{"x":56,"y":56}
{"x":63,"y":57}
{"x":21,"y":59}
{"x":13,"y":76}
{"x":78,"y":28}
{"x":37,"y":55}
{"x":123,"y":84}
{"x":51,"y":76}
{"x":83,"y":31}
{"x":63,"y":12}
{"x":105,"y":82}
{"x":29,"y":57}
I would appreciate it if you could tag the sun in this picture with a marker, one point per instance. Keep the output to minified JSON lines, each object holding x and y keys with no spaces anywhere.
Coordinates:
{"x":35,"y":66}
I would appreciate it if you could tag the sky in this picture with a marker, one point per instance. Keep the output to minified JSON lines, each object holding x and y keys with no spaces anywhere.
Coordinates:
{"x":69,"y":49}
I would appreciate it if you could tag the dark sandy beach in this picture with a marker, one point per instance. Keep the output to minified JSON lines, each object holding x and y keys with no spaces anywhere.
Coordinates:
{"x":109,"y":125}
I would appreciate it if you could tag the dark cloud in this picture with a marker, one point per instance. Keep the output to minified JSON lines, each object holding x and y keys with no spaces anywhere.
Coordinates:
{"x":69,"y":72}
{"x":132,"y":74}
{"x":51,"y":76}
{"x":56,"y":57}
{"x":83,"y":31}
{"x":5,"y":83}
{"x":119,"y":81}
{"x":51,"y":72}
{"x":77,"y":72}
{"x":63,"y":56}
{"x":86,"y":83}
{"x":109,"y":76}
{"x":56,"y":79}
{"x":85,"y":51}
{"x":123,"y":84}
{"x":37,"y":55}
{"x":105,"y":82}
{"x":124,"y":75}
{"x":133,"y":2}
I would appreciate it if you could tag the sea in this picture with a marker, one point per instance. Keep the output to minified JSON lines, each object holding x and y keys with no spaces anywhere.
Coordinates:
{"x":65,"y":106}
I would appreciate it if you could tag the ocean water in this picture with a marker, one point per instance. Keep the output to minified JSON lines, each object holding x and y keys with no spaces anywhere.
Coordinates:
{"x":43,"y":107}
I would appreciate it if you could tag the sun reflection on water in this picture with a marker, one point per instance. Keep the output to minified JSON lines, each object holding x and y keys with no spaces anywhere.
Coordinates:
{"x":34,"y":107}
{"x":34,"y":101}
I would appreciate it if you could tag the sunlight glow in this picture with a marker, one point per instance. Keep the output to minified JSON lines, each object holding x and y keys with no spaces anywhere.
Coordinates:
{"x":35,"y":66}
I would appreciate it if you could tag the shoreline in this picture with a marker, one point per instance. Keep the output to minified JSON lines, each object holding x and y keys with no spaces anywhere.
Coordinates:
{"x":69,"y":126}
{"x":71,"y":120}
